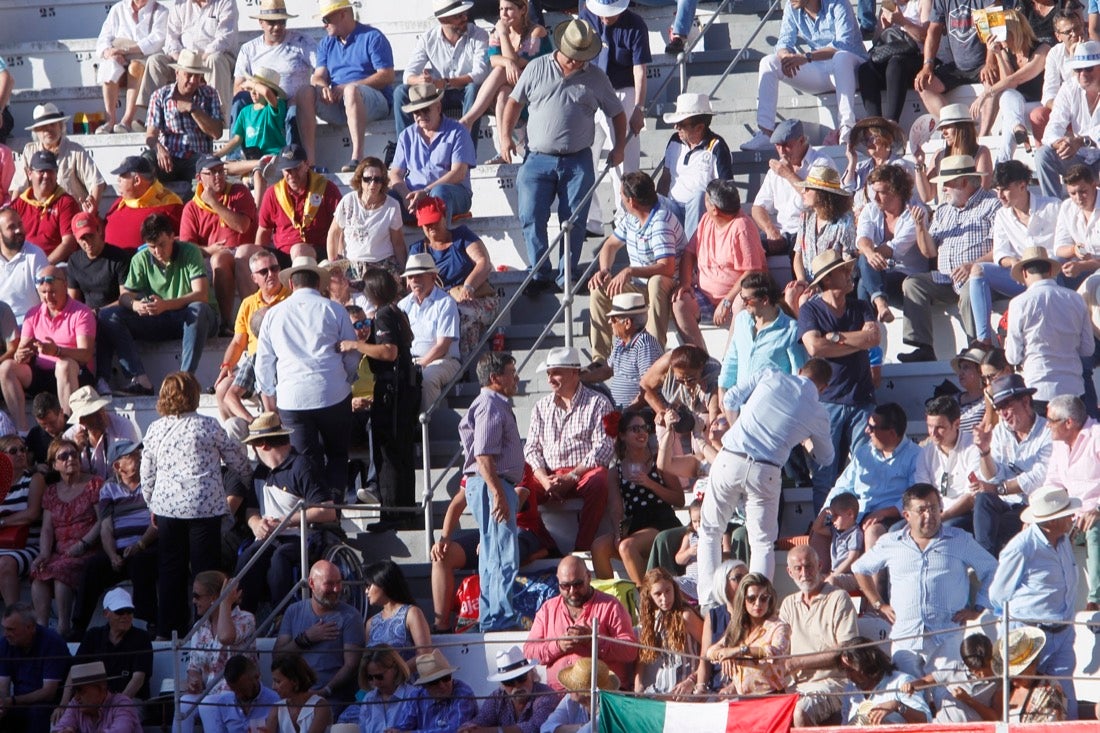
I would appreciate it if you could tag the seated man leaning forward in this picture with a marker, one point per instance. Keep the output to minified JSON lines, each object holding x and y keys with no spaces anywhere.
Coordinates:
{"x":56,"y":347}
{"x":434,"y":156}
{"x":167,"y":295}
{"x":185,"y":118}
{"x":654,"y":239}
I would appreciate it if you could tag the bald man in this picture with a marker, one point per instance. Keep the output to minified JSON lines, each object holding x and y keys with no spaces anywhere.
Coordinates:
{"x":328,"y":633}
{"x":570,"y":615}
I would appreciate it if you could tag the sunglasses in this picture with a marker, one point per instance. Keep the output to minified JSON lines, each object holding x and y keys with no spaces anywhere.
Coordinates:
{"x":361,"y":324}
{"x":638,"y":429}
{"x":761,"y":598}
{"x":44,"y":280}
{"x":375,"y":677}
{"x":124,"y":612}
{"x":373,"y":179}
{"x":66,"y":456}
{"x":16,"y":451}
{"x":515,"y":681}
{"x":264,"y":272}
{"x":570,"y":584}
{"x":441,"y":681}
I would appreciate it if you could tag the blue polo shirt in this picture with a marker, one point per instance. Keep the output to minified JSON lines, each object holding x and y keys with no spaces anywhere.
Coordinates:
{"x":46,"y":659}
{"x":437,"y":316}
{"x":625,"y":45}
{"x":425,"y":162}
{"x":362,"y":53}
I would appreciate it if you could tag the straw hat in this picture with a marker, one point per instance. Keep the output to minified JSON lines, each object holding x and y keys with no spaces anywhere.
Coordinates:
{"x":881,"y":122}
{"x":304,"y":262}
{"x":826,"y":262}
{"x":270,"y":79}
{"x":1005,"y":388}
{"x":191,"y":62}
{"x":267,"y":425}
{"x":955,"y":166}
{"x":825,"y":178}
{"x":430,"y":667}
{"x":1030,"y":255}
{"x":627,"y":304}
{"x":1049,"y":502}
{"x":688,"y":105}
{"x":577,"y":677}
{"x":331,"y":6}
{"x":1024,"y":645}
{"x":272,"y":10}
{"x":511,"y":664}
{"x":86,"y":401}
{"x":46,"y":114}
{"x":421,"y":96}
{"x":88,"y":673}
{"x":577,"y":40}
{"x":419,"y":264}
{"x":953,"y":114}
{"x":562,"y":357}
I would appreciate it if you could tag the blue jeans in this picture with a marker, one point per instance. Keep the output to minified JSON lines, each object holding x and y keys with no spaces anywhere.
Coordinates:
{"x":498,"y":558}
{"x":1049,"y":169}
{"x":846,"y":425}
{"x":452,"y":99}
{"x":120,"y":327}
{"x":540,"y":179}
{"x":690,"y":212}
{"x":865,"y":14}
{"x":990,"y":279}
{"x":685,"y":13}
{"x":995,"y":521}
{"x":1059,"y":660}
{"x":457,"y":198}
{"x":875,"y":283}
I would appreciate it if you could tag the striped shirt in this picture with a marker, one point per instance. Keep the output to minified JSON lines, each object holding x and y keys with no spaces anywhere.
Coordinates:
{"x":661,"y":235}
{"x":1024,"y":460}
{"x":963,"y":236}
{"x":127,"y":510}
{"x":565,"y":438}
{"x":630,"y":360}
{"x":489,"y":429}
{"x":928,"y":587}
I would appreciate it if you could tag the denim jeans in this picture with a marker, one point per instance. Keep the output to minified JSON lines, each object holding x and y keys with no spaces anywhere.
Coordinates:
{"x":540,"y":179}
{"x":685,"y":13}
{"x":690,"y":212}
{"x":874,"y":283}
{"x":452,"y":99}
{"x":1049,"y":169}
{"x":995,"y":521}
{"x":847,"y":425}
{"x":990,"y":279}
{"x":120,"y":327}
{"x":498,"y":558}
{"x":273,"y":574}
{"x":1059,"y":660}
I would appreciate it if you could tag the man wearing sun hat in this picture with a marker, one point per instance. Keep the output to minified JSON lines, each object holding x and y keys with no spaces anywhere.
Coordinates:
{"x":442,"y":702}
{"x":300,"y":371}
{"x":93,"y":706}
{"x":95,"y":430}
{"x":292,"y":55}
{"x":209,"y":26}
{"x":959,"y":236}
{"x":1037,"y":577}
{"x":452,"y":58}
{"x":571,"y":714}
{"x":1071,"y":137}
{"x":354,"y":74}
{"x":77,"y":172}
{"x":433,"y":157}
{"x":126,"y":650}
{"x":518,"y":686}
{"x":562,"y":91}
{"x":433,"y":315}
{"x":185,"y":118}
{"x":694,"y":156}
{"x":633,"y":350}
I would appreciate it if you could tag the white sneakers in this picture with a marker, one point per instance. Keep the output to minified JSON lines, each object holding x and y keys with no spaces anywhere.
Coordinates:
{"x":760,"y":142}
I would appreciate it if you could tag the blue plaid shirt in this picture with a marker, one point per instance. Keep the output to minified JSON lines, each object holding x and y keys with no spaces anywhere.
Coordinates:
{"x":179,"y":132}
{"x":965,"y":235}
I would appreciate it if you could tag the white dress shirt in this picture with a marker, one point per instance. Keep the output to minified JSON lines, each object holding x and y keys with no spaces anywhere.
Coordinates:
{"x":1057,"y":73}
{"x":1011,"y":237}
{"x":948,"y":470}
{"x":465,"y":57}
{"x":1024,"y":460}
{"x":1071,"y":110}
{"x":146,"y":28}
{"x":1049,"y":348}
{"x":209,"y":28}
{"x":779,"y":198}
{"x":1074,"y":226}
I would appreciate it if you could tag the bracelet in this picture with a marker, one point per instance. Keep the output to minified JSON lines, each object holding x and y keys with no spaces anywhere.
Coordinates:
{"x":726,"y":302}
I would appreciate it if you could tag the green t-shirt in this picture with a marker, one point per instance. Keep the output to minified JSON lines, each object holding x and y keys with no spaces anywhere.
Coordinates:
{"x":263,"y":128}
{"x":148,"y":277}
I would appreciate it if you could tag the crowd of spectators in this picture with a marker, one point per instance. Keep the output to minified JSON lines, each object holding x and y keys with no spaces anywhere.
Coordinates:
{"x":927,"y":537}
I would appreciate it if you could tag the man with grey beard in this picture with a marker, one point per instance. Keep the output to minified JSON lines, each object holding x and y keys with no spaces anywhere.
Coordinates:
{"x":822,"y":619}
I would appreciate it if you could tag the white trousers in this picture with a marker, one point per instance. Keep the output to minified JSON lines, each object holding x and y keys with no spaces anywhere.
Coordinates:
{"x":836,"y":74}
{"x":601,"y":146}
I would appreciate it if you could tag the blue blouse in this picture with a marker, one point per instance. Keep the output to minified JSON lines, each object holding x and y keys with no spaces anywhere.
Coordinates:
{"x":453,"y":263}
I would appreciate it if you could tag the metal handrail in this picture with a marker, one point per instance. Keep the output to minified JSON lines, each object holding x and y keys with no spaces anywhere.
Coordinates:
{"x":567,"y":301}
{"x":776,"y":4}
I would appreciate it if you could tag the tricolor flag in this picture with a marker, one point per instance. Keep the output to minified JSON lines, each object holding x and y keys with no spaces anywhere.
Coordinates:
{"x":624,"y":714}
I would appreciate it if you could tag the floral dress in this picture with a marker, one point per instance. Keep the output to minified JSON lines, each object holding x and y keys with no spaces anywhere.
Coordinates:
{"x":209,"y":655}
{"x":839,"y":235}
{"x":71,"y":521}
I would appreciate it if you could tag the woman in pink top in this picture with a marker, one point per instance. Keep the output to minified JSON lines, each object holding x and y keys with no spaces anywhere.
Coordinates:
{"x":723,"y":249}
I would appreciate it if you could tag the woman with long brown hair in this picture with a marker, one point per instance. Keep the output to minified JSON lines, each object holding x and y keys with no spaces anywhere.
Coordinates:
{"x":670,"y":627}
{"x":754,"y":637}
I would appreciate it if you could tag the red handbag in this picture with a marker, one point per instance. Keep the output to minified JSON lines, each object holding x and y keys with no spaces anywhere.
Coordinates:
{"x":14,"y":537}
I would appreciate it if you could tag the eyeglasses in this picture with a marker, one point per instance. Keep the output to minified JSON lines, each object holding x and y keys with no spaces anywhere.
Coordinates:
{"x":373,"y":179}
{"x":1065,"y":32}
{"x":761,"y":598}
{"x":66,"y":456}
{"x":16,"y":451}
{"x":567,"y":584}
{"x":264,"y":272}
{"x":45,"y":280}
{"x":361,"y":324}
{"x":746,"y":298}
{"x":275,"y":22}
{"x":441,"y":681}
{"x":327,"y":20}
{"x":422,"y":112}
{"x":638,"y":429}
{"x":375,"y":677}
{"x":874,"y":427}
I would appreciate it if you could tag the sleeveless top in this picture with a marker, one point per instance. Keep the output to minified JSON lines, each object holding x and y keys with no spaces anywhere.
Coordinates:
{"x":642,"y":509}
{"x":394,"y":632}
{"x":17,"y":500}
{"x":305,"y":716}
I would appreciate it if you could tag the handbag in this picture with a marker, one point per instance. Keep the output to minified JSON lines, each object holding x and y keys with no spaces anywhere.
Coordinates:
{"x":14,"y":537}
{"x":893,"y":42}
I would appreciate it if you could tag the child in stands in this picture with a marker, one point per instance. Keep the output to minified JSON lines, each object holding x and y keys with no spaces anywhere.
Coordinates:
{"x":847,"y":542}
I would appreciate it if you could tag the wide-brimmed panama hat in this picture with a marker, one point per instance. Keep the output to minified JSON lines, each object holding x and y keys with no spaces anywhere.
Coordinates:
{"x":1030,"y":255}
{"x":1002,"y":389}
{"x":272,"y":10}
{"x":1085,"y":55}
{"x":270,"y":79}
{"x":628,"y":304}
{"x":191,"y":62}
{"x":511,"y":664}
{"x":419,"y":264}
{"x":822,"y":177}
{"x":861,"y":127}
{"x":421,"y":96}
{"x":956,"y":166}
{"x":266,"y":425}
{"x":1024,"y":646}
{"x":1049,"y":502}
{"x":46,"y":114}
{"x":577,"y":40}
{"x":607,"y":8}
{"x":324,"y":7}
{"x":953,"y":114}
{"x":826,"y":262}
{"x":561,"y":357}
{"x":86,"y":401}
{"x":974,"y":355}
{"x":87,"y":673}
{"x":447,"y":8}
{"x":430,"y":667}
{"x":577,"y":677}
{"x":689,"y":104}
{"x":304,"y":262}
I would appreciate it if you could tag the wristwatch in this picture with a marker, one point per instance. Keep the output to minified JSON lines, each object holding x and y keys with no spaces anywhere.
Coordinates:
{"x":1001,"y":490}
{"x":809,"y":56}
{"x":834,"y":337}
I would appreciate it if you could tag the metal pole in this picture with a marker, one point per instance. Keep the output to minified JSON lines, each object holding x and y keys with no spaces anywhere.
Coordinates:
{"x":681,"y":60}
{"x":176,"y":665}
{"x":592,"y":683}
{"x":568,"y":260}
{"x":1006,"y":681}
{"x":426,"y":466}
{"x":303,"y":549}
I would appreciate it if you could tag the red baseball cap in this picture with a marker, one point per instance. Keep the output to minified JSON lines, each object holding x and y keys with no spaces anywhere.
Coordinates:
{"x":429,"y":210}
{"x":83,"y":223}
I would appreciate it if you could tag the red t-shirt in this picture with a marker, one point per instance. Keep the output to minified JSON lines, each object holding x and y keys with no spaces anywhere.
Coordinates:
{"x":203,"y":227}
{"x":283,"y":234}
{"x":45,"y":227}
{"x":123,"y":227}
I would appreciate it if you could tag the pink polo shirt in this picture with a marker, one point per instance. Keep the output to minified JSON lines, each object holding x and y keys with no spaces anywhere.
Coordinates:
{"x":1077,"y":469}
{"x":75,"y":319}
{"x":723,"y":256}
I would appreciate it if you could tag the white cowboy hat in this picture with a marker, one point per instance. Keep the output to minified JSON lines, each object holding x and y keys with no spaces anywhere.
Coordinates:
{"x":689,"y":104}
{"x":1049,"y":502}
{"x":86,"y":401}
{"x":511,"y":664}
{"x":304,"y":262}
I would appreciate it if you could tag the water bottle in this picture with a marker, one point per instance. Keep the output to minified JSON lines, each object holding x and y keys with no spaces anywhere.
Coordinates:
{"x":498,"y":340}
